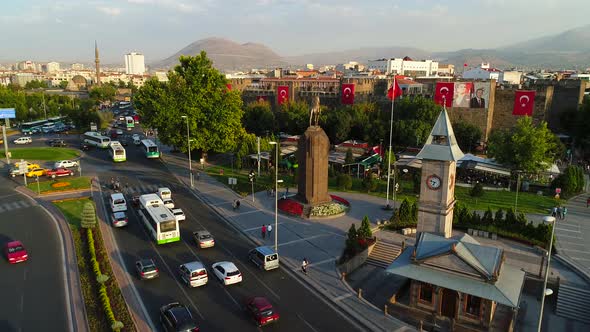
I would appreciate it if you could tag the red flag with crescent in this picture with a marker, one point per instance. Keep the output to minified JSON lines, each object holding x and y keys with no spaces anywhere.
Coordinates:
{"x":444,"y":91}
{"x":228,"y":86}
{"x":394,"y":90}
{"x":282,"y":94}
{"x":524,"y":103}
{"x":347,"y":97}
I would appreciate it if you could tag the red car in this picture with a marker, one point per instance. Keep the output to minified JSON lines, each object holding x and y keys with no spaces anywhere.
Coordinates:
{"x":59,"y":172}
{"x":16,"y":252}
{"x":261,"y":310}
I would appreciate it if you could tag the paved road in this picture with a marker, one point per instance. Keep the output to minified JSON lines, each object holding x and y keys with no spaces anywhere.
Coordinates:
{"x":33,"y":293}
{"x":216,"y":307}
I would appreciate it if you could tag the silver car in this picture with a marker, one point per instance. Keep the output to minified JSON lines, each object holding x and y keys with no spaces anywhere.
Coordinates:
{"x":204,"y":239}
{"x":146,"y":269}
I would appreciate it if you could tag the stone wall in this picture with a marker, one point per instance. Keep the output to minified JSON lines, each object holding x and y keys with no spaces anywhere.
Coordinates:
{"x":504,"y":104}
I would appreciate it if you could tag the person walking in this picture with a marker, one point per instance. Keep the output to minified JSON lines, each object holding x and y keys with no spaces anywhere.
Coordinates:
{"x":304,"y":265}
{"x":564,"y":213}
{"x":269,"y":230}
{"x":559,"y":212}
{"x":263,"y":231}
{"x":554,"y":212}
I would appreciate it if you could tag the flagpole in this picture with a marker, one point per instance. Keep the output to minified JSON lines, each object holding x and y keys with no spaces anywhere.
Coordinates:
{"x":387,"y":207}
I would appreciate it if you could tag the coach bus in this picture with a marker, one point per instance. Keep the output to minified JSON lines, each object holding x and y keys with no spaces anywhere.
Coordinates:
{"x":117,"y":152}
{"x":28,"y":128}
{"x":96,"y":139}
{"x":130,"y":123}
{"x":158,"y":219}
{"x":150,"y":149}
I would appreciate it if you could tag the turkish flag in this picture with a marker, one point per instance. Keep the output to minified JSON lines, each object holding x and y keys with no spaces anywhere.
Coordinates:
{"x":524,"y":103}
{"x":282,"y":94}
{"x":347,"y":94}
{"x":228,"y":86}
{"x":444,"y":92}
{"x":394,"y":91}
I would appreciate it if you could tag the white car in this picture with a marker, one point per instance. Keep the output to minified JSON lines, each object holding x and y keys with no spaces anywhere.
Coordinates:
{"x":119,"y":132}
{"x":135,"y":137}
{"x":179,"y":214}
{"x":65,"y":164}
{"x":23,"y":140}
{"x":227,"y":272}
{"x":168,"y":203}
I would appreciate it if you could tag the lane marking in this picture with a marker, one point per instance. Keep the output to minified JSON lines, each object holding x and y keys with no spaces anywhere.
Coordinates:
{"x":306,"y":322}
{"x":342,"y":297}
{"x":260,"y":227}
{"x":567,"y":230}
{"x":9,"y":195}
{"x":573,"y":237}
{"x":322,"y":262}
{"x":574,"y":250}
{"x":580,"y":259}
{"x":303,"y":239}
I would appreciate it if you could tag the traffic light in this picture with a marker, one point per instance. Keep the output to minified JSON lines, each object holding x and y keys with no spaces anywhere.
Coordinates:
{"x":251,"y":176}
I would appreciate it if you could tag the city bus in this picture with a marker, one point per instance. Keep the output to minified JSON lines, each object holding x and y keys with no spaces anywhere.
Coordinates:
{"x":28,"y":128}
{"x":124,"y":104}
{"x":130,"y":123}
{"x":150,"y":149}
{"x":117,"y":152}
{"x":158,"y":219}
{"x":96,"y":139}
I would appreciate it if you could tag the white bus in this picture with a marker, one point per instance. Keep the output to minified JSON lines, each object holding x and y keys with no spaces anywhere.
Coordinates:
{"x":129,"y":122}
{"x":150,"y":149}
{"x":117,"y":152}
{"x":96,"y":139}
{"x":158,"y":219}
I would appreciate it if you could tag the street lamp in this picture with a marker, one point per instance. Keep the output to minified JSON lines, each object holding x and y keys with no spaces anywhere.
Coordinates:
{"x":546,"y":292}
{"x":188,"y":142}
{"x":276,"y":195}
{"x":517,"y":189}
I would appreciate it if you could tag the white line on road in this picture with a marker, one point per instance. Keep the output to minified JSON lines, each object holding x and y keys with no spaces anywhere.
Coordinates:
{"x":306,"y":322}
{"x":574,"y":250}
{"x":574,"y":244}
{"x":580,"y":259}
{"x":303,"y":239}
{"x":342,"y":297}
{"x":322,"y":262}
{"x":567,"y":230}
{"x":258,"y":228}
{"x":8,"y":195}
{"x":573,"y":237}
{"x":249,"y":212}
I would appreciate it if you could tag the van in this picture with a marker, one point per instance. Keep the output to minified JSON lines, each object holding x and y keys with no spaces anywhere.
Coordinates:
{"x":117,"y":202}
{"x":23,"y":140}
{"x":194,"y":274}
{"x":264,"y":257}
{"x":164,"y":193}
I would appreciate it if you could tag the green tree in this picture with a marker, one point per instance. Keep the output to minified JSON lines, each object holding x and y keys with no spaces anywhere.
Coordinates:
{"x":293,"y":117}
{"x":526,"y":147}
{"x":365,"y":232}
{"x":352,"y":243}
{"x":258,"y":118}
{"x":103,"y":93}
{"x":344,"y":181}
{"x":337,"y":125}
{"x":88,"y":218}
{"x":36,"y":84}
{"x":63,"y":84}
{"x":468,"y":135}
{"x":370,"y":183}
{"x":197,"y":90}
{"x":349,"y":157}
{"x":477,"y":190}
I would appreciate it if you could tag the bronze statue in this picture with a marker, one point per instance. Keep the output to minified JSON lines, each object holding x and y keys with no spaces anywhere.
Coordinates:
{"x":316,"y":110}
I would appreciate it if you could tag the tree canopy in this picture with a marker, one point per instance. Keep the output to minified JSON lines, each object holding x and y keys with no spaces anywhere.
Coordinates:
{"x":467,"y":135}
{"x":197,"y":90}
{"x":526,"y":147}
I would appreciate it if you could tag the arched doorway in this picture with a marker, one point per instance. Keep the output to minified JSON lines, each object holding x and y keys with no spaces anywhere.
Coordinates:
{"x":449,"y":303}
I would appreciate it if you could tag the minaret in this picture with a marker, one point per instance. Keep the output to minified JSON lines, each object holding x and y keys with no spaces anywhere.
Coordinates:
{"x":97,"y":62}
{"x":437,"y":189}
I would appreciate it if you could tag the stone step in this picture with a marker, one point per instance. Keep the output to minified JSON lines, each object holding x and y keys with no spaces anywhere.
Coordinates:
{"x":573,"y":302}
{"x":383,"y":254}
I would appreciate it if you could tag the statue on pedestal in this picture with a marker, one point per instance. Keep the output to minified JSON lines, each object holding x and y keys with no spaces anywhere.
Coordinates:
{"x":316,"y":110}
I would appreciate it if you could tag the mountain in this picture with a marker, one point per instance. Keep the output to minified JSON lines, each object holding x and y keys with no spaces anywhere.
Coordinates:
{"x":227,"y":55}
{"x":571,"y":41}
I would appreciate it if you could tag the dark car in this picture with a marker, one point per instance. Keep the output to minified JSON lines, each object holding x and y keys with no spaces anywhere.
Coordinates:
{"x":84,"y":147}
{"x":58,"y":143}
{"x":124,"y":141}
{"x":177,"y":317}
{"x":261,"y":310}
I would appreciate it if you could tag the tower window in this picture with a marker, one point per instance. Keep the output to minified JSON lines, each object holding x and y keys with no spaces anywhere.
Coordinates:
{"x":426,"y":292}
{"x":439,"y":140}
{"x":472,"y":305}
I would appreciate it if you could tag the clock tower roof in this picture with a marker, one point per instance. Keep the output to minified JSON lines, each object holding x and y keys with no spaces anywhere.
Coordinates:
{"x":441,"y":143}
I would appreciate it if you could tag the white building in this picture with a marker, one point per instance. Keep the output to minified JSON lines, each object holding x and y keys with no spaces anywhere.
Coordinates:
{"x":26,"y":65}
{"x":513,"y":77}
{"x":77,"y":66}
{"x":405,"y":66}
{"x":52,"y":67}
{"x":484,"y":74}
{"x":134,"y":64}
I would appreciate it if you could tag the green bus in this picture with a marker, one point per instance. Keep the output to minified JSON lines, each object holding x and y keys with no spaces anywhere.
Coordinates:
{"x":130,"y":123}
{"x":150,"y":149}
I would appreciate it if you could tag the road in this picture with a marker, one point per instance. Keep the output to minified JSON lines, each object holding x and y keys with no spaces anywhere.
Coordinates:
{"x":33,"y":292}
{"x":217,"y":308}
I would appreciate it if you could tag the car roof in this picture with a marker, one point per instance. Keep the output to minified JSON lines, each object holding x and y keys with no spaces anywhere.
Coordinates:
{"x":261,"y":302}
{"x":117,"y":196}
{"x":14,"y":244}
{"x":203,"y":232}
{"x":176,"y":210}
{"x":146,"y":262}
{"x":227,"y":266}
{"x":265,"y":250}
{"x":119,"y":214}
{"x":196,"y":265}
{"x":183,"y":316}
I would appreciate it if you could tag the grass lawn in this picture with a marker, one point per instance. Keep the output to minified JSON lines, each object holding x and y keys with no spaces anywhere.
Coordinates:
{"x":62,"y":184}
{"x":45,"y":153}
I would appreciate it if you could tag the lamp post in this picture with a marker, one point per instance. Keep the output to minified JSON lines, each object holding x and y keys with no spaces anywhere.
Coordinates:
{"x":188,"y":142}
{"x":517,"y":189}
{"x":276,"y":195}
{"x":552,"y":220}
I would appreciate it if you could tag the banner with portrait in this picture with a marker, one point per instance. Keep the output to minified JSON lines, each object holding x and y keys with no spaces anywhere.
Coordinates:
{"x":480,"y":95}
{"x":462,"y":94}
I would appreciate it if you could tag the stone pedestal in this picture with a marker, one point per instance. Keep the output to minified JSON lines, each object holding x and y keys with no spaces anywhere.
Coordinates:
{"x":314,"y":147}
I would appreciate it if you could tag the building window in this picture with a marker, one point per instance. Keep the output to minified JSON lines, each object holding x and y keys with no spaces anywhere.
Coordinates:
{"x":426,"y":292}
{"x":473,"y":305}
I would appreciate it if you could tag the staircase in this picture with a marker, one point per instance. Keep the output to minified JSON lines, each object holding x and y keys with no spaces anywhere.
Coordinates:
{"x":383,"y":254}
{"x":573,"y":302}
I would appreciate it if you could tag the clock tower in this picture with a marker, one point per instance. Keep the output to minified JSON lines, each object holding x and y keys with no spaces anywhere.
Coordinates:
{"x":437,"y":189}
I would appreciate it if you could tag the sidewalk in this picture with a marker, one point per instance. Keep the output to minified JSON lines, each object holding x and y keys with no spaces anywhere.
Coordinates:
{"x":321,"y":242}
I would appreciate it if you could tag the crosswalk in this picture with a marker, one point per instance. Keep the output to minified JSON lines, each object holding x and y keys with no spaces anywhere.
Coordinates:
{"x":14,"y":205}
{"x":141,"y":189}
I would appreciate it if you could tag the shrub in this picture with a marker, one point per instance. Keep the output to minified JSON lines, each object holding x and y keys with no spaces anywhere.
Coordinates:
{"x":88,"y":219}
{"x":328,"y":209}
{"x":364,"y":232}
{"x":369,"y":182}
{"x":344,"y":181}
{"x":290,"y":206}
{"x":477,"y":190}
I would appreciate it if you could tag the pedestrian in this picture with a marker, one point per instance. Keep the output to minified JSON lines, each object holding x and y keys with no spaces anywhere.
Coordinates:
{"x":304,"y":265}
{"x":234,"y":205}
{"x":269,"y":229}
{"x":588,"y":202}
{"x":554,"y":212}
{"x":237,"y":204}
{"x":263,"y":231}
{"x":198,"y":175}
{"x":559,"y":212}
{"x":564,"y":212}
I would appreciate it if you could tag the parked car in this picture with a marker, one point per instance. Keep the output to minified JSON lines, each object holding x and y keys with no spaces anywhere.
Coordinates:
{"x":30,"y":166}
{"x":15,"y":252}
{"x":261,"y":310}
{"x":119,"y":219}
{"x":146,"y":269}
{"x":84,"y":146}
{"x":204,"y":239}
{"x":177,"y":317}
{"x":66,"y":164}
{"x":179,"y":214}
{"x":23,"y":140}
{"x":227,"y":273}
{"x":53,"y":173}
{"x":36,"y":172}
{"x":58,"y":143}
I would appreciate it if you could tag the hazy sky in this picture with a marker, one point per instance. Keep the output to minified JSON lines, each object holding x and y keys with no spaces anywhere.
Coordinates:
{"x":65,"y":30}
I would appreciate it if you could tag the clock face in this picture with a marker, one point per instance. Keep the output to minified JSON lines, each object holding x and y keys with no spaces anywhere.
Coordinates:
{"x":433,"y":182}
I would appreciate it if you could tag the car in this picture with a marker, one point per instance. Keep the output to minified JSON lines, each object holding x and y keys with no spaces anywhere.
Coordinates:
{"x":23,"y":140}
{"x":136,"y":137}
{"x":147,"y":269}
{"x":58,"y":143}
{"x":177,"y":317}
{"x":16,"y":252}
{"x":65,"y":164}
{"x":204,"y":239}
{"x":36,"y":172}
{"x":124,"y":141}
{"x":227,"y":273}
{"x":119,"y":219}
{"x":113,"y":134}
{"x":119,"y":132}
{"x":16,"y":171}
{"x":30,"y":166}
{"x":261,"y":310}
{"x":169,"y":203}
{"x":179,"y":214}
{"x":84,"y":146}
{"x":55,"y":172}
